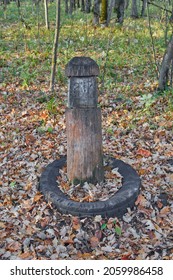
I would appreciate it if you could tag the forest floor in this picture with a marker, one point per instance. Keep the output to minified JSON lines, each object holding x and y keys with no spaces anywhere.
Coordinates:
{"x":137,"y":128}
{"x":34,"y":229}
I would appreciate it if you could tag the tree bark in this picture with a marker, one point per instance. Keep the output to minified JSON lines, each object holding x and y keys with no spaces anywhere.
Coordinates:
{"x":119,"y":9}
{"x":110,"y":8}
{"x":66,"y":7}
{"x":144,"y":4}
{"x":55,"y":45}
{"x":46,"y":13}
{"x":134,"y":10}
{"x":87,"y":6}
{"x":78,"y":3}
{"x":103,"y":16}
{"x":71,"y":8}
{"x":166,"y":65}
{"x":96,"y":12}
{"x":82,"y":5}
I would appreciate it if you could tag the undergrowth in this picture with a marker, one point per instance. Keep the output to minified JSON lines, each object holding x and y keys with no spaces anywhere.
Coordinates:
{"x":123,"y":53}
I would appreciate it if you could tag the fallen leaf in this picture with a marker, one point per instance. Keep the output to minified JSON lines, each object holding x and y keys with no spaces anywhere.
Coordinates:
{"x":94,"y":241}
{"x":25,"y":255}
{"x":2,"y":225}
{"x":37,"y":197}
{"x":165,"y":211}
{"x":68,"y":241}
{"x":75,"y":223}
{"x":141,"y":200}
{"x":126,"y":256}
{"x":151,"y":234}
{"x":98,"y":218}
{"x":29,"y":139}
{"x":170,"y":178}
{"x":98,"y":234}
{"x":143,"y":152}
{"x":107,"y":249}
{"x":159,"y":204}
{"x":14,"y":246}
{"x":44,"y":221}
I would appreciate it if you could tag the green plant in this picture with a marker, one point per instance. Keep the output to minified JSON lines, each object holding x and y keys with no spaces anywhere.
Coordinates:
{"x":147,"y":100}
{"x":51,"y":105}
{"x":117,"y":228}
{"x":110,"y":131}
{"x":50,"y":129}
{"x":13,"y":184}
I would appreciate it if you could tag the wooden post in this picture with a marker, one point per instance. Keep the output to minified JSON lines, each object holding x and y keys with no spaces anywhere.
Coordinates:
{"x":83,"y":123}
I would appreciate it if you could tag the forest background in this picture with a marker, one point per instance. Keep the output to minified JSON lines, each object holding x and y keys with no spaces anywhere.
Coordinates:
{"x":136,"y":119}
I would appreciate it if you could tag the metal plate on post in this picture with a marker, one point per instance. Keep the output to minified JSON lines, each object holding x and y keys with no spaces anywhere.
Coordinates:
{"x":82,"y":92}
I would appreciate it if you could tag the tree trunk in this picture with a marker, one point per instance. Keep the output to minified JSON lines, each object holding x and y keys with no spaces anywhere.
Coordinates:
{"x":46,"y":13}
{"x":71,"y":7}
{"x":103,"y":17}
{"x":66,"y":7}
{"x":166,"y":65}
{"x":18,"y":3}
{"x":87,"y":6}
{"x":96,"y":12}
{"x":144,"y":4}
{"x":134,"y":11}
{"x":5,"y":3}
{"x":119,"y":9}
{"x":55,"y":46}
{"x":171,"y":17}
{"x":110,"y":8}
{"x":83,"y":5}
{"x":127,"y":4}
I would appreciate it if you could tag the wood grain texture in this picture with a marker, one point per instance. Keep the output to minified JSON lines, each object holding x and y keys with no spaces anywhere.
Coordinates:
{"x":84,"y":145}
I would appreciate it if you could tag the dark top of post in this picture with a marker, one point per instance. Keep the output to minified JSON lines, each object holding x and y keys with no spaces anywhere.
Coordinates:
{"x":82,"y":67}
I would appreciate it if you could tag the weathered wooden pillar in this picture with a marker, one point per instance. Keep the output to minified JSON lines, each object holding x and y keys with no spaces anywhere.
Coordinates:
{"x":83,"y":122}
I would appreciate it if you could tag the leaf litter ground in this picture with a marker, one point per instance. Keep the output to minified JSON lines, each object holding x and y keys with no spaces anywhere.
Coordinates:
{"x":30,"y":228}
{"x":88,"y":191}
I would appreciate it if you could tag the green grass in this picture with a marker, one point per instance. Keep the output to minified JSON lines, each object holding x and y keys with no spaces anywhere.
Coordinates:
{"x":123,"y":53}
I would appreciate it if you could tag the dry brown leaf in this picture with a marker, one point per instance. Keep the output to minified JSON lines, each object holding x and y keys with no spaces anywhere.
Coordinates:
{"x":44,"y":221}
{"x":87,"y":198}
{"x":170,"y":177}
{"x":37,"y":197}
{"x":27,"y":204}
{"x":25,"y":255}
{"x":126,"y":256}
{"x":165,"y":211}
{"x":98,"y":234}
{"x":142,"y":171}
{"x":29,"y":139}
{"x":29,"y":230}
{"x":159,"y":204}
{"x":7,"y":200}
{"x":28,"y":187}
{"x":94,"y":241}
{"x":141,"y":200}
{"x":68,"y":241}
{"x":14,"y":246}
{"x":2,"y":225}
{"x":143,"y":152}
{"x":84,"y":256}
{"x":75,"y":223}
{"x":151,"y":234}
